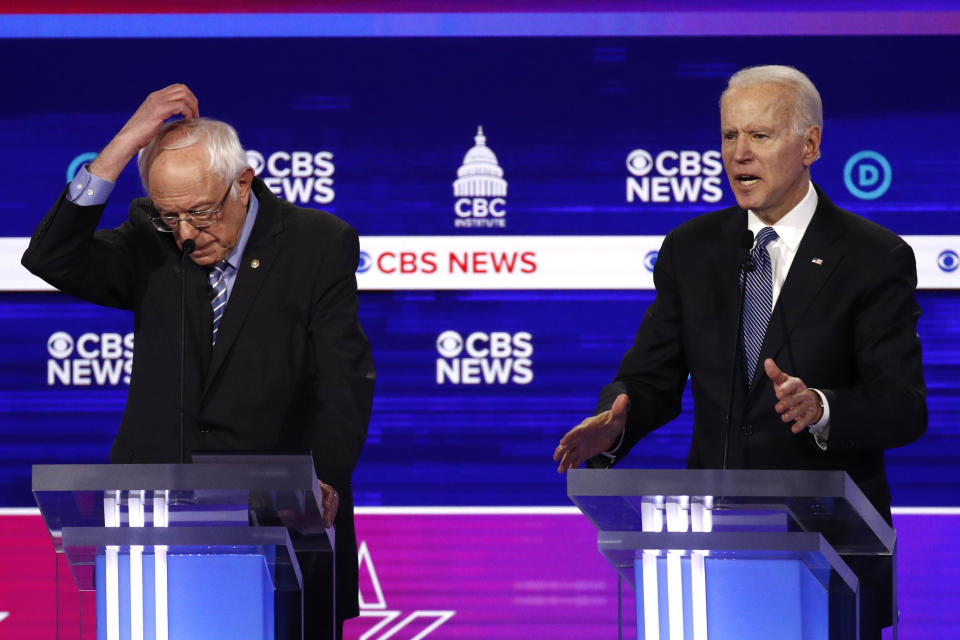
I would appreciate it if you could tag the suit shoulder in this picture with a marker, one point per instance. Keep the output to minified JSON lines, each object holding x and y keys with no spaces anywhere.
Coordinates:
{"x":301,"y":219}
{"x":707,"y":224}
{"x":867,"y":232}
{"x":315,"y":221}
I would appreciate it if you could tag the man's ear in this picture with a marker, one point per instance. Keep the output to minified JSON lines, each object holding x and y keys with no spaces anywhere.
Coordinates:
{"x":811,"y":145}
{"x":244,"y":182}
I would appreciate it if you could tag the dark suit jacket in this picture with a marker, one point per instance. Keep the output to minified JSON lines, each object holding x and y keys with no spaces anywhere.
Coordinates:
{"x":845,"y":325}
{"x":292,"y":368}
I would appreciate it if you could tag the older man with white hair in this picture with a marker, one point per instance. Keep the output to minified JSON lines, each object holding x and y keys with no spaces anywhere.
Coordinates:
{"x":822,"y":370}
{"x":274,"y":358}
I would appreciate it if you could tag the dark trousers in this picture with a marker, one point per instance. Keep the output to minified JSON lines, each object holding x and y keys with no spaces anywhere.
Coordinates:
{"x":876,"y":593}
{"x":315,"y":610}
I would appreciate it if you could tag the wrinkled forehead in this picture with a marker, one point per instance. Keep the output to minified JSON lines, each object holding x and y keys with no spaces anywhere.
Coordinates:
{"x":763,"y":103}
{"x":180,"y":170}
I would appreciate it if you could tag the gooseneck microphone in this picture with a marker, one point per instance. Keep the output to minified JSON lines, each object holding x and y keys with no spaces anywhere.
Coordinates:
{"x":746,"y":243}
{"x":746,"y":266}
{"x":188,"y":247}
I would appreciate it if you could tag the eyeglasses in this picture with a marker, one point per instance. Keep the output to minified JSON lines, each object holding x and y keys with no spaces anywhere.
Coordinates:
{"x":167,"y":222}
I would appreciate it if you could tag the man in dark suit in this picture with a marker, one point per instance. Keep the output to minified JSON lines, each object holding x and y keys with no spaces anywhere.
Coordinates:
{"x":276,"y":362}
{"x":833,"y":374}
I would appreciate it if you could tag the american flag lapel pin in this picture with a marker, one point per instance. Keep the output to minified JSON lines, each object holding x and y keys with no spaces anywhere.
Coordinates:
{"x":817,"y":261}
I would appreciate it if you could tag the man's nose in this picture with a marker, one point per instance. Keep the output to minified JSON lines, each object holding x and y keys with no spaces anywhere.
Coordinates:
{"x":186,"y":231}
{"x":743,"y":151}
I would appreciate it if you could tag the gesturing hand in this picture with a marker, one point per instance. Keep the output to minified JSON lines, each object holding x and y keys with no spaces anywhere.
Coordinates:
{"x":592,"y":436}
{"x":796,"y":402}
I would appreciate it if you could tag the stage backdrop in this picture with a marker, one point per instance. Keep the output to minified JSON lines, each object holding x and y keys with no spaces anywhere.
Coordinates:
{"x":511,"y":176}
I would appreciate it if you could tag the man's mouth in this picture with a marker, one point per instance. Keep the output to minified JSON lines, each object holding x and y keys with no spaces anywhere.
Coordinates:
{"x":747,"y":180}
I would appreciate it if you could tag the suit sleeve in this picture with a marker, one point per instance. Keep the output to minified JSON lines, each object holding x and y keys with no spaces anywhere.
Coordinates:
{"x":887,"y":407}
{"x":654,"y":371}
{"x":69,"y":253}
{"x":343,"y":385}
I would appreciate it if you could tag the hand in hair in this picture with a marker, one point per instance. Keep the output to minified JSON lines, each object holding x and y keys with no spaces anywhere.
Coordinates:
{"x":142,"y":126}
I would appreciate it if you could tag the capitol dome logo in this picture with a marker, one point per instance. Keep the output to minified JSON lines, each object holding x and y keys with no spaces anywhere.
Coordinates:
{"x":480,"y":189}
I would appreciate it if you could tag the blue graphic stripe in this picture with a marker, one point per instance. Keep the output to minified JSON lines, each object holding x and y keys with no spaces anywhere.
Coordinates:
{"x":312,"y":25}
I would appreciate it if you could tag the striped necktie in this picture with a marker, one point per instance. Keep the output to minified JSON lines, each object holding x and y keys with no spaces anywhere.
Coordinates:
{"x":757,"y":301}
{"x":219,"y":289}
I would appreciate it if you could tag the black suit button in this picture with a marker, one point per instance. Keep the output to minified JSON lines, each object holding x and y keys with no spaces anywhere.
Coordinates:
{"x":746,"y":429}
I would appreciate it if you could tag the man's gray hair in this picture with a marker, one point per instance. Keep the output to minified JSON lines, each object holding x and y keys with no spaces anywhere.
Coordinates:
{"x":226,"y":157}
{"x":807,"y":107}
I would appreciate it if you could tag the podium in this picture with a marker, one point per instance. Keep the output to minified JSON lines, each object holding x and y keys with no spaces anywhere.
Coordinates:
{"x":184,"y":551}
{"x":746,"y":554}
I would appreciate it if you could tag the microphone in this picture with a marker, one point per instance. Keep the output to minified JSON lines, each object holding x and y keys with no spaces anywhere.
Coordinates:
{"x":746,"y":243}
{"x":188,"y":246}
{"x":746,"y":266}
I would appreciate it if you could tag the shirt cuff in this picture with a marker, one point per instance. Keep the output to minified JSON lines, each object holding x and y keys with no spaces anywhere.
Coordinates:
{"x":611,"y":453}
{"x":88,"y":190}
{"x":821,"y":429}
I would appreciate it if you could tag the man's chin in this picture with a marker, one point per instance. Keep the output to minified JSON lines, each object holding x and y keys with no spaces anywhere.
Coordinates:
{"x":203,"y":260}
{"x":750,"y":201}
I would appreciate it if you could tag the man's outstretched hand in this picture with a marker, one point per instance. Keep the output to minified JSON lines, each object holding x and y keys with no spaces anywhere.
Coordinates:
{"x":796,"y":402}
{"x":592,"y":436}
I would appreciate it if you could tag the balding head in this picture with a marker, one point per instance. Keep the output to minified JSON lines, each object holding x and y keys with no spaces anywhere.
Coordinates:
{"x":216,"y":146}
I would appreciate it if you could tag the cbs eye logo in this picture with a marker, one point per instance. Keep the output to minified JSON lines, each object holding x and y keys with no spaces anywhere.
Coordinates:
{"x":650,"y":260}
{"x":364,"y":263}
{"x":948,"y":261}
{"x":639,"y":162}
{"x":60,"y":345}
{"x":449,"y":344}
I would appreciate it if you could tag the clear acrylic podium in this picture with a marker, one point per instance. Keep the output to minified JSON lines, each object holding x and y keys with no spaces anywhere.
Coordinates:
{"x":744,"y":554}
{"x":185,"y":551}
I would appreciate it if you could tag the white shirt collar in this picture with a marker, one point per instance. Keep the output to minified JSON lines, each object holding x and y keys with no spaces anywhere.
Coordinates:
{"x":791,"y":227}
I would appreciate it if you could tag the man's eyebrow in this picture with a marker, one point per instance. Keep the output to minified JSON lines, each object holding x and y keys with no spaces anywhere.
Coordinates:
{"x":201,"y":207}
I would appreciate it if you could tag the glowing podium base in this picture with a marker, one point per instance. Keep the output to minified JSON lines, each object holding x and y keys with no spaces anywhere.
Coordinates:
{"x":734,"y":554}
{"x":179,"y":552}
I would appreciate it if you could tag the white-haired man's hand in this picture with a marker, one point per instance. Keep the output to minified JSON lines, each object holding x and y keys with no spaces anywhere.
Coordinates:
{"x":142,"y":126}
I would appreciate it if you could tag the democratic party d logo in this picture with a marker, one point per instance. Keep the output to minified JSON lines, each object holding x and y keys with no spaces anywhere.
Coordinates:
{"x":867,"y":175}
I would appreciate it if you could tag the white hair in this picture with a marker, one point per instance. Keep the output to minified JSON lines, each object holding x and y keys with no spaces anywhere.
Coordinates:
{"x":807,"y":107}
{"x":226,"y":157}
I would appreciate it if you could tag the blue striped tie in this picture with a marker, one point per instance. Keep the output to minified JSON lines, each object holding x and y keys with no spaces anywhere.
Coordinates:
{"x":219,"y":301}
{"x":757,"y":301}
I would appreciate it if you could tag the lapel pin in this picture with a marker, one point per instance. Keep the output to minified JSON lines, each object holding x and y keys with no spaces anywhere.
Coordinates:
{"x":254,"y":264}
{"x":817,"y":261}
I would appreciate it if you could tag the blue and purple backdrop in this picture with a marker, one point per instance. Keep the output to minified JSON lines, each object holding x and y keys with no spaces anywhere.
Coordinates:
{"x":604,"y":121}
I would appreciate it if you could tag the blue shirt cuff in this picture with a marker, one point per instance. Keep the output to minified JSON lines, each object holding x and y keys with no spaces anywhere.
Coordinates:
{"x":88,"y":190}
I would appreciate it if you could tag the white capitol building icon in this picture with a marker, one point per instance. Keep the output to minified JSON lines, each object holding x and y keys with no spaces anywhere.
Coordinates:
{"x":480,"y":176}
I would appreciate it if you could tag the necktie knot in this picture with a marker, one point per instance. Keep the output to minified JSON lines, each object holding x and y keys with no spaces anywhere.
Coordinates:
{"x":765,"y":237}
